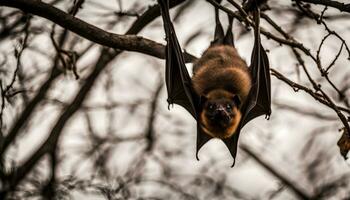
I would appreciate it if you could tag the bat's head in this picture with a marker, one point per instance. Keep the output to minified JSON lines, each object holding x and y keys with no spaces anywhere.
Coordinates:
{"x":220,"y":115}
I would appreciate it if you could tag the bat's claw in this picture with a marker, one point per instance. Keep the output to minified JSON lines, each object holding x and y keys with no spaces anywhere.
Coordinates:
{"x":170,"y":103}
{"x":234,"y":162}
{"x":197,"y":156}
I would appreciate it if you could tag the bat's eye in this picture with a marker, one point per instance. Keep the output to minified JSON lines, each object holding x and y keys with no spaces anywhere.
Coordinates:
{"x":228,"y":107}
{"x":211,"y":106}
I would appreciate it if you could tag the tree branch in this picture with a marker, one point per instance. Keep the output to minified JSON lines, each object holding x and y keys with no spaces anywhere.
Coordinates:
{"x":18,"y":174}
{"x":335,"y":4}
{"x":88,"y":31}
{"x":297,"y":189}
{"x":148,"y":16}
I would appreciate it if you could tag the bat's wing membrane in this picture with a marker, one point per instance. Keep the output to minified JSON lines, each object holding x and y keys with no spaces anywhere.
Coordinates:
{"x":259,"y":102}
{"x":202,"y":138}
{"x":219,"y":31}
{"x":178,"y":81}
{"x":259,"y":99}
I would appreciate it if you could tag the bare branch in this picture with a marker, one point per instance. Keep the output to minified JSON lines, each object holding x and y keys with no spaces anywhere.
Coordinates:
{"x":297,"y":189}
{"x":88,"y":31}
{"x":343,"y":7}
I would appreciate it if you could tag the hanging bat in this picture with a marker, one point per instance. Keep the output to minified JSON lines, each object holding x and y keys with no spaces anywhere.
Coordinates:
{"x":224,"y":94}
{"x":222,"y":80}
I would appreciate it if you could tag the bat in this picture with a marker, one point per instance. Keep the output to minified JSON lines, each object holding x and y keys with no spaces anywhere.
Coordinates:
{"x":252,"y":99}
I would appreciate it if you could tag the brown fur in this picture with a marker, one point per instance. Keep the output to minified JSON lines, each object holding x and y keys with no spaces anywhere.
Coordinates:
{"x":221,"y":74}
{"x":219,"y":131}
{"x":221,"y":67}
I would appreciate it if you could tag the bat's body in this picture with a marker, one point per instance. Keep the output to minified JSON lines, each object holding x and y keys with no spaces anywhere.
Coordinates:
{"x":222,"y":79}
{"x":223,"y":94}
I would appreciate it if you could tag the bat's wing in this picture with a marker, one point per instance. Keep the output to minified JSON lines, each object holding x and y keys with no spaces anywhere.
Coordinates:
{"x":202,"y":138}
{"x":228,"y":39}
{"x":259,"y":99}
{"x":178,"y":81}
{"x":219,"y":31}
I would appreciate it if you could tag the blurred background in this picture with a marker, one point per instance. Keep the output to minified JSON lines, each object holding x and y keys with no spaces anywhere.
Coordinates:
{"x":79,"y":120}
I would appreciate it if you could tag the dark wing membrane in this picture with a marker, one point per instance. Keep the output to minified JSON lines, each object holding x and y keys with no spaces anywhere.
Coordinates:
{"x":228,"y":40}
{"x":178,"y":81}
{"x":232,"y":144}
{"x":259,"y":99}
{"x":219,"y":31}
{"x":202,"y":138}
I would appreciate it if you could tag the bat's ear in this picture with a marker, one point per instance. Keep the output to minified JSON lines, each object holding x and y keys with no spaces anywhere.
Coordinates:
{"x":237,"y":100}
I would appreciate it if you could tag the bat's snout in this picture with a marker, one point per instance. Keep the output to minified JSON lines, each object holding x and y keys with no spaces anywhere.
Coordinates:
{"x":222,"y":116}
